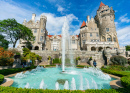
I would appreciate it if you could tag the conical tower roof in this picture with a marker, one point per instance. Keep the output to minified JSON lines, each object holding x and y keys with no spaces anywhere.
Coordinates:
{"x":83,"y":24}
{"x":101,"y":4}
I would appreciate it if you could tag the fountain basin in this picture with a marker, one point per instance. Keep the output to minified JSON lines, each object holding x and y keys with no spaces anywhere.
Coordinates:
{"x":87,"y":78}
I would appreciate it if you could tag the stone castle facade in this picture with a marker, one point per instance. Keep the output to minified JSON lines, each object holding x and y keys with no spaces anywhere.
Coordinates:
{"x":96,"y":33}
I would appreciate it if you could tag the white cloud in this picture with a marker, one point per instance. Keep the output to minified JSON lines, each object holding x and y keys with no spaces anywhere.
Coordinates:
{"x":60,"y":9}
{"x":124,"y":18}
{"x":54,"y":23}
{"x":10,"y":10}
{"x":124,"y":36}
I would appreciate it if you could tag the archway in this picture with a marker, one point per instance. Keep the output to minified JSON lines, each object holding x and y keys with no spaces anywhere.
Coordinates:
{"x":100,"y":49}
{"x":23,"y":46}
{"x":93,"y":49}
{"x":108,"y":47}
{"x":36,"y":48}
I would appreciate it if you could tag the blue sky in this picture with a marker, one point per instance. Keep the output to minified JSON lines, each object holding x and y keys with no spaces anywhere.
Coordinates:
{"x":75,"y":10}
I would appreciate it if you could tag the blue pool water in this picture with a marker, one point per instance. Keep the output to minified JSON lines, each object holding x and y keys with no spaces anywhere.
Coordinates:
{"x":96,"y":78}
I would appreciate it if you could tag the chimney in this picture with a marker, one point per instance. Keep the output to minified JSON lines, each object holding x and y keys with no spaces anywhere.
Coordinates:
{"x":33,"y":17}
{"x":88,"y":18}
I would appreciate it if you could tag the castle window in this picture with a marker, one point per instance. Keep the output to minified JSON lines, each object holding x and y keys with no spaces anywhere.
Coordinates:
{"x":41,"y":38}
{"x":114,"y":39}
{"x":95,"y":28}
{"x":73,"y":41}
{"x":91,"y":28}
{"x":90,"y":34}
{"x":84,"y":41}
{"x":107,"y":29}
{"x":97,"y":34}
{"x":109,"y":39}
{"x":41,"y":30}
{"x":82,"y":35}
{"x":35,"y":30}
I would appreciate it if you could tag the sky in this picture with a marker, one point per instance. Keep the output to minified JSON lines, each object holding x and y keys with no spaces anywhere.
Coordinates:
{"x":76,"y":12}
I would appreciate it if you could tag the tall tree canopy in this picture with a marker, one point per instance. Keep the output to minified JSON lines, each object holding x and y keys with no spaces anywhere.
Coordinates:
{"x":15,"y":31}
{"x":3,"y":42}
{"x":127,"y":48}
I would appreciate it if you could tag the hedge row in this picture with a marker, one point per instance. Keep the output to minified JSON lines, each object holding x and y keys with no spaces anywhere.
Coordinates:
{"x":1,"y":78}
{"x":15,"y":70}
{"x":20,"y":90}
{"x":125,"y":76}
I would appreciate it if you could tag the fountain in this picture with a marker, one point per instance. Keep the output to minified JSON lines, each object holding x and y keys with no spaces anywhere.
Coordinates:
{"x":37,"y":78}
{"x":66,"y":85}
{"x":42,"y":84}
{"x":27,"y":85}
{"x":57,"y":86}
{"x":73,"y":85}
{"x":65,"y":29}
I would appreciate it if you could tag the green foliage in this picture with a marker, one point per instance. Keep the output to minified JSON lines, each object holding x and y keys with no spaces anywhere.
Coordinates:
{"x":56,"y":61}
{"x":90,"y":58}
{"x":125,"y":76}
{"x":29,"y":45}
{"x":118,"y":68}
{"x":21,"y":90}
{"x":125,"y":81}
{"x":78,"y":58}
{"x":15,"y":31}
{"x":27,"y":54}
{"x":49,"y":57}
{"x":127,"y":48}
{"x":1,"y":78}
{"x":15,"y":70}
{"x":118,"y":60}
{"x":3,"y":42}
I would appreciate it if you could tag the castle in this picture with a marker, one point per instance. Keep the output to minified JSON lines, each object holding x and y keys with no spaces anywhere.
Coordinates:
{"x":96,"y":34}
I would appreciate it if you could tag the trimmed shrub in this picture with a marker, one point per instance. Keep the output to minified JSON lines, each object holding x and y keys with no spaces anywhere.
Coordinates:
{"x":56,"y":61}
{"x":1,"y":78}
{"x":15,"y":70}
{"x":118,"y":60}
{"x":125,"y":81}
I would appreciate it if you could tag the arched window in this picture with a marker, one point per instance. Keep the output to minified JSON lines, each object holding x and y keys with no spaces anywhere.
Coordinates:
{"x":93,"y":49}
{"x":36,"y":48}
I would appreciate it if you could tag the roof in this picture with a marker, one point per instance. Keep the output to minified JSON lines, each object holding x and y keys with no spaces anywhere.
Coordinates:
{"x":101,"y":4}
{"x":83,"y":24}
{"x":50,"y":36}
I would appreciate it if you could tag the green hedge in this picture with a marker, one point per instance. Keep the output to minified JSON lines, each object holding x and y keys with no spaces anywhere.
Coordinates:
{"x":125,"y":81}
{"x":20,"y":90}
{"x":125,"y":76}
{"x":15,"y":70}
{"x":1,"y":78}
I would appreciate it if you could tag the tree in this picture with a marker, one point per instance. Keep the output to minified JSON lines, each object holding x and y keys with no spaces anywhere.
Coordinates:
{"x":3,"y":42}
{"x":127,"y":48}
{"x":15,"y":31}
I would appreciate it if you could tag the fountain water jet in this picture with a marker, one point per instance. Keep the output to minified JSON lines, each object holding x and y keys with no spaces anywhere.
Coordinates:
{"x":81,"y":83}
{"x":87,"y":84}
{"x":42,"y":84}
{"x":66,"y":85}
{"x":73,"y":85}
{"x":27,"y":85}
{"x":57,"y":86}
{"x":65,"y":29}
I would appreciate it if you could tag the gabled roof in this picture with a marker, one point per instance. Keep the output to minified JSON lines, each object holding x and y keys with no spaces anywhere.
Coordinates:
{"x":83,"y":24}
{"x":101,"y":4}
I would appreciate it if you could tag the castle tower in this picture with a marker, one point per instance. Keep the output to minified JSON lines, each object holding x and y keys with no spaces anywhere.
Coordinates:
{"x":105,"y":22}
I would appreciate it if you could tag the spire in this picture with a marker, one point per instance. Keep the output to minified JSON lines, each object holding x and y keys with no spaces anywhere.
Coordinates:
{"x":101,"y":4}
{"x":83,"y":24}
